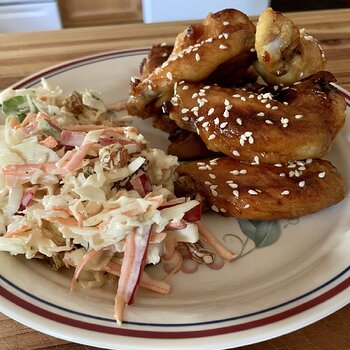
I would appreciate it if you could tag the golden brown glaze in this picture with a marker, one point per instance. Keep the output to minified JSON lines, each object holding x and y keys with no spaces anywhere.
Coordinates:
{"x":276,"y":125}
{"x":224,"y":36}
{"x":188,"y":146}
{"x":264,"y":192}
{"x":285,"y":54}
{"x":157,"y":55}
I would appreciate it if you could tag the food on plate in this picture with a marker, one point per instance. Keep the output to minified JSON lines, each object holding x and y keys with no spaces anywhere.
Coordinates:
{"x":80,"y":189}
{"x":224,"y":36}
{"x":265,"y":192}
{"x":188,"y":146}
{"x":256,"y":124}
{"x":285,"y":53}
{"x":292,"y":112}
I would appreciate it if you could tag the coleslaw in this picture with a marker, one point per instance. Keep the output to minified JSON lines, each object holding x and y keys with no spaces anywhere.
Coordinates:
{"x":81,"y":188}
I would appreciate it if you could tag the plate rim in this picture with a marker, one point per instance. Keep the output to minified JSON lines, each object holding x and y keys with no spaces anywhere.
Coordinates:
{"x":335,"y":295}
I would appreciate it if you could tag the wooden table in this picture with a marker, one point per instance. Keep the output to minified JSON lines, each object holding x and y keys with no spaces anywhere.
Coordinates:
{"x":23,"y":54}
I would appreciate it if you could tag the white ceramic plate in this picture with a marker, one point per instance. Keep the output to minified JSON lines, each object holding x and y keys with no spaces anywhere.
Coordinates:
{"x":289,"y":274}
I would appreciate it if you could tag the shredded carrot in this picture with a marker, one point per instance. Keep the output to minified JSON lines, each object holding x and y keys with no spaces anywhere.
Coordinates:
{"x":212,"y":240}
{"x":49,"y":142}
{"x":169,"y":248}
{"x":19,"y":231}
{"x":29,"y":118}
{"x":86,"y":258}
{"x":177,"y":267}
{"x":77,"y":159}
{"x":146,"y":280}
{"x":92,"y":127}
{"x":156,"y":237}
{"x":64,"y":221}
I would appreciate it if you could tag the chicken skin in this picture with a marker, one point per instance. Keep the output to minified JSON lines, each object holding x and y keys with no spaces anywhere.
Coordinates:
{"x":264,"y":192}
{"x":273,"y":125}
{"x":285,"y":53}
{"x":224,"y":36}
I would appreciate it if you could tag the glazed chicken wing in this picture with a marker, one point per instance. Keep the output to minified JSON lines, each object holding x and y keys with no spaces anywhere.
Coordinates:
{"x":264,"y":192}
{"x":285,"y":53}
{"x":224,"y":36}
{"x":188,"y":146}
{"x":157,"y":55}
{"x":273,"y":126}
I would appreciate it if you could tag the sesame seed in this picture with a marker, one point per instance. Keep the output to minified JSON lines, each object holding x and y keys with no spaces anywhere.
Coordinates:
{"x":298,"y":116}
{"x":215,"y":208}
{"x":200,"y":119}
{"x":256,"y":159}
{"x":198,"y":57}
{"x":211,"y":137}
{"x":211,"y":111}
{"x":233,"y":186}
{"x":243,"y":171}
{"x":226,"y":23}
{"x":285,"y":193}
{"x":285,"y":103}
{"x":246,"y":206}
{"x":252,"y":49}
{"x":308,"y":161}
{"x":301,"y":183}
{"x":202,"y":168}
{"x":209,"y":40}
{"x":239,"y":121}
{"x":251,"y":140}
{"x":248,"y":133}
{"x":212,"y":176}
{"x":222,"y":47}
{"x":322,"y":175}
{"x":268,"y":105}
{"x":223,"y":210}
{"x":200,"y":163}
{"x":251,"y":96}
{"x":213,"y":187}
{"x":205,"y":124}
{"x":169,"y":76}
{"x":227,"y":102}
{"x":291,"y":173}
{"x":263,"y":100}
{"x":216,"y":121}
{"x":268,"y":121}
{"x":278,"y":165}
{"x":274,"y":107}
{"x":260,"y":114}
{"x":195,"y":95}
{"x":223,"y":125}
{"x":236,"y":153}
{"x":236,"y":96}
{"x":214,"y":193}
{"x":235,"y":193}
{"x":185,"y":87}
{"x":186,"y":119}
{"x":226,"y":113}
{"x":282,"y":174}
{"x":234,"y":172}
{"x":252,"y":192}
{"x":243,"y":98}
{"x":225,"y":35}
{"x":184,"y":110}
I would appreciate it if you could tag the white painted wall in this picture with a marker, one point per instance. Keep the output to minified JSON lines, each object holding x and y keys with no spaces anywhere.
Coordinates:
{"x":28,"y":16}
{"x":177,"y":10}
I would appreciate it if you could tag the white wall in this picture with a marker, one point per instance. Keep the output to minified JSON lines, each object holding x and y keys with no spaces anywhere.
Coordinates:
{"x":177,"y":10}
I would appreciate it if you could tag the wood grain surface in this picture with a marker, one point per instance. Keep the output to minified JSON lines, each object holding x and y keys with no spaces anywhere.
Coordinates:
{"x":25,"y":53}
